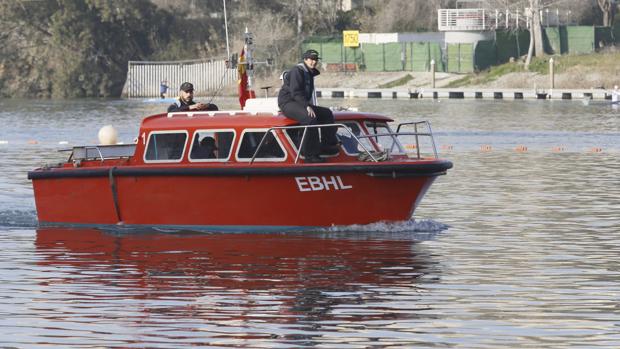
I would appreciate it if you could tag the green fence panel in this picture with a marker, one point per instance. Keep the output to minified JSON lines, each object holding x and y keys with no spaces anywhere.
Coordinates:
{"x":552,"y":40}
{"x":580,"y":39}
{"x":353,"y":55}
{"x":373,"y":57}
{"x":454,"y":58}
{"x":436,"y":54}
{"x":467,"y":58}
{"x":418,"y":56}
{"x":460,"y":58}
{"x":393,"y":56}
{"x":331,"y":52}
{"x":511,"y":44}
{"x":484,"y":54}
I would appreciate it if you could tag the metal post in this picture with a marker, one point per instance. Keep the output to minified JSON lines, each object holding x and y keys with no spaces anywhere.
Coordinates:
{"x":517,"y":20}
{"x":432,"y":73}
{"x":551,"y":74}
{"x":226,"y":28}
{"x":496,"y":18}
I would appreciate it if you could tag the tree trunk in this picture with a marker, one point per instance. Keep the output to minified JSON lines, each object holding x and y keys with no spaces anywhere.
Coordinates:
{"x":607,"y":9}
{"x":537,"y":29}
{"x":530,"y":50}
{"x":536,"y":43}
{"x":300,"y":21}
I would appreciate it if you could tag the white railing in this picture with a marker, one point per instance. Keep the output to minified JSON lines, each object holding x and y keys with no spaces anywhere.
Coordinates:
{"x":462,"y":19}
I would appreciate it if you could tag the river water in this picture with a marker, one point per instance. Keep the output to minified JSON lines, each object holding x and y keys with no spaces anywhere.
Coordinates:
{"x":518,"y":246}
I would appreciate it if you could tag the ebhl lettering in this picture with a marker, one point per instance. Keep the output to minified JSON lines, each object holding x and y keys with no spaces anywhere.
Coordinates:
{"x":314,"y":183}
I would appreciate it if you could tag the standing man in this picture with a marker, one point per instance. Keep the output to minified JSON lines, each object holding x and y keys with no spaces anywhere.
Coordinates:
{"x":615,"y":94}
{"x":297,"y":101}
{"x":163,"y":89}
{"x":185,"y":102}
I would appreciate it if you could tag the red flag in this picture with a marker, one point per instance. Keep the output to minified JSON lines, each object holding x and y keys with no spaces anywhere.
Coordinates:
{"x":244,"y":92}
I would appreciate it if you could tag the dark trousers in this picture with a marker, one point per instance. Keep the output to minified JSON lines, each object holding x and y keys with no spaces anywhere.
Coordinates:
{"x":324,"y":116}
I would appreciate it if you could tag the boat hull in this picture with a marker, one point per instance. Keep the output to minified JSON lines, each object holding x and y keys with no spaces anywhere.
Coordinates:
{"x":224,"y":199}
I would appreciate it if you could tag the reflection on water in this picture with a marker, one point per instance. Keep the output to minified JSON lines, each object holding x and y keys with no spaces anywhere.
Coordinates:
{"x":510,"y":249}
{"x":233,"y":289}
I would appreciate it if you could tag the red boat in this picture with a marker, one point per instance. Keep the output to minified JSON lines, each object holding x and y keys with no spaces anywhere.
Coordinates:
{"x":241,"y":171}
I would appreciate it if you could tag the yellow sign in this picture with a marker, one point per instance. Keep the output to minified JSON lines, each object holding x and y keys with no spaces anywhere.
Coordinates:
{"x":350,"y":38}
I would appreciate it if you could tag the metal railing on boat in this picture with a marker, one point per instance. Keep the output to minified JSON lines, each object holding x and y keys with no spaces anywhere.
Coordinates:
{"x":366,"y":151}
{"x":101,"y":152}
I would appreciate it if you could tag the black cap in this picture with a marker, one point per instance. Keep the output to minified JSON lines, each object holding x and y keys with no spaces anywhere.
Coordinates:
{"x":186,"y":86}
{"x":312,"y":54}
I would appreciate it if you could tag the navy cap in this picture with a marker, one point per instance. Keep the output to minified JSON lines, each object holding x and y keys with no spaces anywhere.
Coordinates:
{"x":186,"y":86}
{"x":312,"y":54}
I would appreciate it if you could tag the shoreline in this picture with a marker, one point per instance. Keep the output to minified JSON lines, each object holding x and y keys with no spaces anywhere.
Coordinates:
{"x":466,"y":93}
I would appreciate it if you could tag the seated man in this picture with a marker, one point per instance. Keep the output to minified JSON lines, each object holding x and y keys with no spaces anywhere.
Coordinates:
{"x":297,"y":101}
{"x":205,"y":150}
{"x":185,"y":102}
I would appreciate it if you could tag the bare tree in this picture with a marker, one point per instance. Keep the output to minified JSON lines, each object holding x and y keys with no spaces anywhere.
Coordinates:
{"x":608,"y":7}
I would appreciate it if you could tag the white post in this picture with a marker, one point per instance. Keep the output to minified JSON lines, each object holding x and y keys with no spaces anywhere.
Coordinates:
{"x":551,"y":74}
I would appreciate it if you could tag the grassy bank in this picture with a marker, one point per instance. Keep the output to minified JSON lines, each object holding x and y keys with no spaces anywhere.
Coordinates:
{"x":572,"y":71}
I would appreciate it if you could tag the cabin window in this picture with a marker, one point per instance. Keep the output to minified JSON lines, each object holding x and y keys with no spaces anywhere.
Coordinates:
{"x":211,"y":145}
{"x":349,"y":144}
{"x":270,"y":150}
{"x":294,"y":135}
{"x":389,"y":143}
{"x":165,"y":146}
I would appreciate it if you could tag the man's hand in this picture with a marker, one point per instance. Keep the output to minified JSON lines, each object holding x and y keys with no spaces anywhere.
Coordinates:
{"x":198,"y":106}
{"x":311,"y":113}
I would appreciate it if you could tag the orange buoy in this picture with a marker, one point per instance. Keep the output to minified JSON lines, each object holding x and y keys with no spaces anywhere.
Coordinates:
{"x":32,"y":141}
{"x":596,"y":150}
{"x":521,"y":149}
{"x":558,"y":149}
{"x":447,"y":147}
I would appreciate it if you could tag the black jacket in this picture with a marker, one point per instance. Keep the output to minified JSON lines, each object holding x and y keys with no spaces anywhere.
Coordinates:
{"x":298,"y":86}
{"x":180,"y":105}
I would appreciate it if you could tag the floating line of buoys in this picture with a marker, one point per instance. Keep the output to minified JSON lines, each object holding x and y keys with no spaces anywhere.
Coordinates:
{"x":445,"y":147}
{"x":521,"y":148}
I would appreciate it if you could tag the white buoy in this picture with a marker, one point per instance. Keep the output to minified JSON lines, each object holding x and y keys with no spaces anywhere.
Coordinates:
{"x":107,"y":135}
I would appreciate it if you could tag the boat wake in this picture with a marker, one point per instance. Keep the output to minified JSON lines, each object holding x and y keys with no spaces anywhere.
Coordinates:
{"x":418,"y":230}
{"x":423,"y":225}
{"x":18,"y":218}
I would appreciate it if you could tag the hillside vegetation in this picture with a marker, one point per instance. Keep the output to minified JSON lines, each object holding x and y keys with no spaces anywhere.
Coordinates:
{"x":81,"y":48}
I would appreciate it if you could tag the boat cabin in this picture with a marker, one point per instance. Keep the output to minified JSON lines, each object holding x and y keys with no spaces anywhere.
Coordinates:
{"x":241,"y":137}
